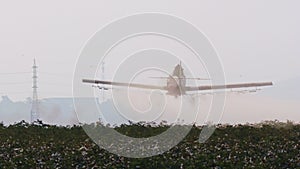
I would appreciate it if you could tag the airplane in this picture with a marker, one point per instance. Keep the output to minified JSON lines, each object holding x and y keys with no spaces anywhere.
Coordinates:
{"x":176,"y":84}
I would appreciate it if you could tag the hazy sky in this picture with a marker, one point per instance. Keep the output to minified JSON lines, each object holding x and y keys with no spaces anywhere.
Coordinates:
{"x":255,"y":40}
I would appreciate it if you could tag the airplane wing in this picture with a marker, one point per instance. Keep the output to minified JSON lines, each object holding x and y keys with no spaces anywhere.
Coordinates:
{"x":229,"y":86}
{"x":189,"y":78}
{"x":136,"y":85}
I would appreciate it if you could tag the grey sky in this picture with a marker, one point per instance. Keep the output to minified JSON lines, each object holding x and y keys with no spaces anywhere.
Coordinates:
{"x":256,"y":40}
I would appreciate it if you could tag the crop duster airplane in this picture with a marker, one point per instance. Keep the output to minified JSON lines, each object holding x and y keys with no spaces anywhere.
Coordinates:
{"x":176,"y":84}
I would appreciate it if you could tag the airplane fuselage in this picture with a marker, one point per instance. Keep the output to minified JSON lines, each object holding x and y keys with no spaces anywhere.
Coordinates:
{"x":176,"y":86}
{"x":176,"y":82}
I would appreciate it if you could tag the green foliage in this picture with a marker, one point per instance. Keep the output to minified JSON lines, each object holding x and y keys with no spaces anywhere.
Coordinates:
{"x":266,"y":145}
{"x":141,"y":130}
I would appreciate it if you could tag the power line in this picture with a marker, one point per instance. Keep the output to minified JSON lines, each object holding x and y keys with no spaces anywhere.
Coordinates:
{"x":43,"y":83}
{"x":14,"y":73}
{"x":46,"y":73}
{"x":55,"y":74}
{"x":58,"y":85}
{"x":14,"y":83}
{"x":55,"y":84}
{"x":14,"y":92}
{"x":55,"y":92}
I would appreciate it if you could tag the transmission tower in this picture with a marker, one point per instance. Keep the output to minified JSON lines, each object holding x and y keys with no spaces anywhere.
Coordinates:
{"x":34,"y":108}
